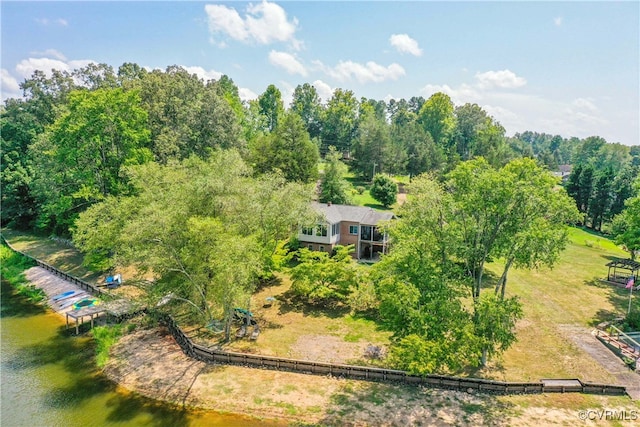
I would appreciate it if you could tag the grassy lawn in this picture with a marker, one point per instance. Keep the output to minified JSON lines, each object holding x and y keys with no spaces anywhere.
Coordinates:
{"x":365,"y":199}
{"x":568,"y":296}
{"x":52,"y":252}
{"x":293,"y":329}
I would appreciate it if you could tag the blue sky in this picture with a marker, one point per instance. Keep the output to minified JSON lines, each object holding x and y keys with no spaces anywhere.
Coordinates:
{"x":568,"y":68}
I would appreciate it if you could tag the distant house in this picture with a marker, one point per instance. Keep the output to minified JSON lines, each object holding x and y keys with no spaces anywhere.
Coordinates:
{"x":563,"y":172}
{"x":347,"y":225}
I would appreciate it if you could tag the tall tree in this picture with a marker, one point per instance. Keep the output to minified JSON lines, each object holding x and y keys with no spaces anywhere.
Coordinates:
{"x":437,"y":117}
{"x":421,"y":287}
{"x":80,"y":157}
{"x":602,"y":198}
{"x":626,"y":225}
{"x":339,"y":121}
{"x":371,"y":146}
{"x":201,"y":229}
{"x":18,"y":129}
{"x":333,"y":187}
{"x":271,"y":106}
{"x":289,"y":150}
{"x":308,"y":105}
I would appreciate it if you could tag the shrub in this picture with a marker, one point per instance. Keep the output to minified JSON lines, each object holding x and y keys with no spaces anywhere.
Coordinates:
{"x":384,"y":190}
{"x":105,"y":337}
{"x":12,"y":270}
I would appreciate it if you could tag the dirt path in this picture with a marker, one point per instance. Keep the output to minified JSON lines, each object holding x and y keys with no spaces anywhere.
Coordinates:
{"x":586,"y":340}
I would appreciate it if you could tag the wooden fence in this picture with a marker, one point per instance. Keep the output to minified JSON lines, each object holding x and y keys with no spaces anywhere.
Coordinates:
{"x":380,"y":374}
{"x":92,"y":289}
{"x":210,"y":355}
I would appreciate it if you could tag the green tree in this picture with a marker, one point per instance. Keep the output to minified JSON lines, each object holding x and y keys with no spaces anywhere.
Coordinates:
{"x":495,"y":324}
{"x":601,"y":201}
{"x":308,"y":105}
{"x":371,"y":146}
{"x":421,"y":286}
{"x":288,"y":149}
{"x":339,"y":121}
{"x":437,"y":117}
{"x":537,"y":231}
{"x":186,"y":116}
{"x":384,"y":190}
{"x":320,"y":277}
{"x":626,"y":225}
{"x":198,"y":232}
{"x":271,"y":107}
{"x":333,"y":187}
{"x":18,"y":129}
{"x":81,"y":156}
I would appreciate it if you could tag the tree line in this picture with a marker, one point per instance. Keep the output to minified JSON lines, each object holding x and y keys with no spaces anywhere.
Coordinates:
{"x":80,"y":128}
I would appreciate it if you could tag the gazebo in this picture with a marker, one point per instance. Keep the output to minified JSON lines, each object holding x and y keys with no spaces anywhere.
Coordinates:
{"x":621,"y":269}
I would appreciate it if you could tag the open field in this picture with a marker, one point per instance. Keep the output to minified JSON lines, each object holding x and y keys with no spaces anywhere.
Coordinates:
{"x":557,"y":303}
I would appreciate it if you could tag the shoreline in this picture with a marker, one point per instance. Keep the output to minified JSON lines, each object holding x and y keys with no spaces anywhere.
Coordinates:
{"x":149,"y":362}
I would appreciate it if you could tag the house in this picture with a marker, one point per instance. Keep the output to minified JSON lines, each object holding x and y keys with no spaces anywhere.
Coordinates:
{"x":347,"y":225}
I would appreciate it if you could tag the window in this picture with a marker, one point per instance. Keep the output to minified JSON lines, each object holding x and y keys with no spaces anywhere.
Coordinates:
{"x":353,"y":229}
{"x":310,"y":247}
{"x":321,"y":231}
{"x":307,"y":231}
{"x":321,"y":248}
{"x":365,"y":232}
{"x":335,"y":229}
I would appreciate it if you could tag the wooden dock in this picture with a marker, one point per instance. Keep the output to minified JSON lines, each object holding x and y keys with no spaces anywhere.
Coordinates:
{"x":53,"y":286}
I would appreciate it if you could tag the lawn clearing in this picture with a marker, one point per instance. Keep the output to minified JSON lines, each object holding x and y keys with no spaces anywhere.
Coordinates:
{"x":50,"y":251}
{"x":555,"y":303}
{"x":301,"y":331}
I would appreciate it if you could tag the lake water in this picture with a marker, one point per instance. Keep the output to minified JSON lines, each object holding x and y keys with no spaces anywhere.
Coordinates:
{"x":48,"y":378}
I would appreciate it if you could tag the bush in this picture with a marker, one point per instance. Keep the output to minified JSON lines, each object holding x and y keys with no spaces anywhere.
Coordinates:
{"x":360,"y":189}
{"x":384,"y":190}
{"x":12,"y":270}
{"x":632,"y":321}
{"x":362,"y":297}
{"x":105,"y":337}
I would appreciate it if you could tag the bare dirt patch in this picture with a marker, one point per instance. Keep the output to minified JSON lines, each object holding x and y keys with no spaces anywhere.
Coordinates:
{"x":151,"y":363}
{"x":327,"y":348}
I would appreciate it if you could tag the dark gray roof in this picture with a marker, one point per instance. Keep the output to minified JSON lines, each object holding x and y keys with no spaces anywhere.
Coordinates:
{"x":360,"y":214}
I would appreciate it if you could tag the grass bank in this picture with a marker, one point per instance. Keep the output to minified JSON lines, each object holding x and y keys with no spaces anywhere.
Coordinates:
{"x":12,"y":267}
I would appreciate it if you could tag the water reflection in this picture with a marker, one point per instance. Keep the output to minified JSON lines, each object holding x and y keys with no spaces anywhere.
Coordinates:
{"x":49,"y":378}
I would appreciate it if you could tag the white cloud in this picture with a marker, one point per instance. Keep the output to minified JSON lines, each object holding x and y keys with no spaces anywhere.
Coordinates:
{"x":9,"y":86}
{"x":363,"y":73}
{"x":584,"y":104}
{"x":287,"y":62}
{"x":325,"y":92}
{"x":247,"y":94}
{"x":519,"y":112}
{"x":263,"y":23}
{"x":502,"y":79}
{"x":50,"y":52}
{"x":557,"y":21}
{"x":460,"y":95}
{"x":26,"y":67}
{"x":46,"y":21}
{"x":405,"y":44}
{"x":203,"y":74}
